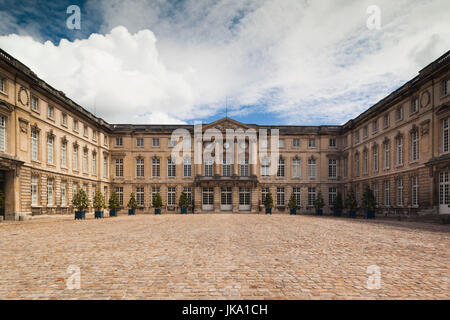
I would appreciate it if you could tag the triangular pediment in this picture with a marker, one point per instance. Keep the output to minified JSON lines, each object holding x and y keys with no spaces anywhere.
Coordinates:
{"x":227,"y":123}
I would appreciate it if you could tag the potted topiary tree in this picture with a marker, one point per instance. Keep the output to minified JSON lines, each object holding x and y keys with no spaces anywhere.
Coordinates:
{"x":81,"y":202}
{"x":292,"y":204}
{"x":368,"y":203}
{"x":319,"y":204}
{"x":268,"y":203}
{"x":99,"y":204}
{"x":114,"y":204}
{"x":132,"y":205}
{"x":338,"y":205}
{"x":183,"y":202}
{"x":351,"y":204}
{"x":157,"y":203}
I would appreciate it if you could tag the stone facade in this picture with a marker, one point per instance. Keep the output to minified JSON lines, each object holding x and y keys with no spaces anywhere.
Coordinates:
{"x":50,"y":145}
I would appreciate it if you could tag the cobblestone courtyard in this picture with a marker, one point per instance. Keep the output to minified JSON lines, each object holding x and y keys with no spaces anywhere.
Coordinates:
{"x":215,"y":256}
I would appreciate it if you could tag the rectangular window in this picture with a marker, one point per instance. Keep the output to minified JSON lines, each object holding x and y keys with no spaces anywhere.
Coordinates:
{"x":311,"y":196}
{"x":208,"y":168}
{"x":85,"y":161}
{"x":94,"y":135}
{"x":375,"y":126}
{"x":2,"y":133}
{"x":155,"y":190}
{"x":265,"y":167}
{"x":415,"y":145}
{"x":139,"y":142}
{"x":94,"y":164}
{"x":264,"y":192}
{"x":105,"y":166}
{"x":119,"y":168}
{"x":356,"y":137}
{"x":64,"y":154}
{"x":365,"y":161}
{"x":171,"y":143}
{"x":296,"y":143}
{"x":74,"y":190}
{"x":119,"y":192}
{"x":414,"y":105}
{"x":387,"y":156}
{"x":399,"y":149}
{"x":332,"y":192}
{"x":244,"y":196}
{"x":244,"y":168}
{"x":75,"y":158}
{"x":280,"y":170}
{"x":49,"y":192}
{"x":64,"y":119}
{"x":75,"y":125}
{"x":208,"y":196}
{"x":34,"y":191}
{"x":156,"y":169}
{"x":85,"y":131}
{"x":357,"y":165}
{"x":332,"y":143}
{"x":2,"y":84}
{"x":140,"y":196}
{"x":119,"y":141}
{"x":140,"y":167}
{"x":188,"y":191}
{"x":63,"y":193}
{"x":446,"y":135}
{"x":375,"y":159}
{"x":171,"y":168}
{"x":312,"y":143}
{"x":155,"y":142}
{"x":297,"y":194}
{"x":399,"y":113}
{"x":50,"y":112}
{"x":414,"y":191}
{"x":332,"y":168}
{"x":446,"y":87}
{"x":34,"y":103}
{"x":296,"y":172}
{"x":226,"y":196}
{"x":386,"y":120}
{"x":187,"y":167}
{"x":280,"y":196}
{"x":105,"y":140}
{"x":34,"y":144}
{"x":365,"y":132}
{"x":312,"y":168}
{"x":226,"y":168}
{"x":400,"y":192}
{"x":50,"y":140}
{"x":386,"y":193}
{"x":281,"y":143}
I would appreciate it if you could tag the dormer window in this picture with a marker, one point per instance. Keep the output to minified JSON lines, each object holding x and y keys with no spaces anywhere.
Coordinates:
{"x":119,"y":141}
{"x":312,"y":143}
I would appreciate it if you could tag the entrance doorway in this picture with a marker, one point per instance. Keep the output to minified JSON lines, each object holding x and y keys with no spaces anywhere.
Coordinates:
{"x":444,"y":186}
{"x":244,"y":199}
{"x":226,"y":196}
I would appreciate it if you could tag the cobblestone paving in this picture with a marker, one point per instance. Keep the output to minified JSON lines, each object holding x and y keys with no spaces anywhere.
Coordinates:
{"x":214,"y":256}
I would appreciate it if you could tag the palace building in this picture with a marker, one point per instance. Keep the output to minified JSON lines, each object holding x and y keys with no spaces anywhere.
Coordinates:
{"x":50,"y":146}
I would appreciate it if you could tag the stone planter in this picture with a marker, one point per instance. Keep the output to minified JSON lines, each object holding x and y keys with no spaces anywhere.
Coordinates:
{"x":268,"y":210}
{"x":293,"y":211}
{"x":131,"y":212}
{"x":98,"y":214}
{"x":337,"y":212}
{"x":157,"y":210}
{"x":352,"y":214}
{"x":113,"y":213}
{"x":183,"y":210}
{"x":80,"y":215}
{"x":369,"y":214}
{"x":319,"y":212}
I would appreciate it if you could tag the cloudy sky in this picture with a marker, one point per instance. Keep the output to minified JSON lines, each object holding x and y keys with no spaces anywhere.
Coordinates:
{"x":270,"y":61}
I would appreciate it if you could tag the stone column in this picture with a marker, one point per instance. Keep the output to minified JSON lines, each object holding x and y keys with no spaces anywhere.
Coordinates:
{"x":217,"y":199}
{"x":197,"y":199}
{"x":235,"y":199}
{"x":254,"y":197}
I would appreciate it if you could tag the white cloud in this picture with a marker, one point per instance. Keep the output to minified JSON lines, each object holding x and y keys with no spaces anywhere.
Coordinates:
{"x":302,"y":61}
